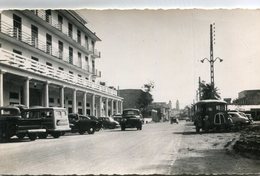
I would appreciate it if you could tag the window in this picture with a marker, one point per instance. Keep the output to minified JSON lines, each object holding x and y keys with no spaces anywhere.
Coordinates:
{"x":51,"y":100}
{"x":79,"y":58}
{"x":86,"y":78}
{"x":80,"y":111}
{"x":70,"y":102}
{"x":48,"y":16}
{"x":60,"y":68}
{"x":70,"y":30}
{"x":88,"y":105}
{"x":70,"y":55}
{"x":86,"y":42}
{"x":70,"y":72}
{"x":14,"y":95}
{"x":17,"y":27}
{"x":60,"y":50}
{"x":60,"y":22}
{"x":69,"y":110}
{"x":34,"y":34}
{"x":34,"y":58}
{"x":93,"y":45}
{"x":79,"y":36}
{"x":58,"y":100}
{"x":17,"y":52}
{"x":48,"y":43}
{"x":79,"y":103}
{"x":49,"y":64}
{"x":79,"y":76}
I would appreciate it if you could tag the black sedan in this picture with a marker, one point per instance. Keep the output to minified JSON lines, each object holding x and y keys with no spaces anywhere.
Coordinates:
{"x":98,"y":121}
{"x":82,"y":124}
{"x":109,"y":122}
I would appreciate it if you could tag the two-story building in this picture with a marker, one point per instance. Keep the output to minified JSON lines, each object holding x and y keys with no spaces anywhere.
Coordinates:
{"x":47,"y":58}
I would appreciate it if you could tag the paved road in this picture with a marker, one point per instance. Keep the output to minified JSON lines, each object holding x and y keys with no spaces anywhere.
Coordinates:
{"x":152,"y":150}
{"x":159,"y":148}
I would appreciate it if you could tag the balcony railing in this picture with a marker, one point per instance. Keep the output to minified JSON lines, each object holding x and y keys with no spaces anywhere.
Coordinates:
{"x":35,"y":42}
{"x":24,"y":63}
{"x":65,"y":30}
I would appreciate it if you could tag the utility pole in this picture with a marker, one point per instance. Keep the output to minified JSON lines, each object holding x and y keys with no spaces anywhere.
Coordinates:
{"x":212,"y":60}
{"x":199,"y":89}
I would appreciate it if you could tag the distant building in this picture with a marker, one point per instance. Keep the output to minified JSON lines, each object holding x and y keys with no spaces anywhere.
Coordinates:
{"x":163,"y":108}
{"x":248,"y":97}
{"x":177,"y":105}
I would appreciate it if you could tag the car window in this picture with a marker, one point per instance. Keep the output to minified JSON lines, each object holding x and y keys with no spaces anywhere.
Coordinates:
{"x":130,"y":112}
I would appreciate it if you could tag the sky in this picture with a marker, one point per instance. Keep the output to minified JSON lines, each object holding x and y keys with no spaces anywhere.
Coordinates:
{"x":166,"y":46}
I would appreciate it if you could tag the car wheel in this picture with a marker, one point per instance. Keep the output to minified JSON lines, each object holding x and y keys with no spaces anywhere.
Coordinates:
{"x":91,"y":130}
{"x":82,"y":132}
{"x":32,"y":136}
{"x":21,"y":135}
{"x":197,"y":129}
{"x":123,"y":128}
{"x":56,"y":134}
{"x":43,"y":135}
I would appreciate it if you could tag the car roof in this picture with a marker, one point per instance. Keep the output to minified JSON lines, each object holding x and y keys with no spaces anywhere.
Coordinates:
{"x":133,"y":109}
{"x":9,"y":108}
{"x":45,"y":108}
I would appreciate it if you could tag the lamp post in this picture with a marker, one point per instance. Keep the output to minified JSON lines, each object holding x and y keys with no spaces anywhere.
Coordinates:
{"x":212,"y":60}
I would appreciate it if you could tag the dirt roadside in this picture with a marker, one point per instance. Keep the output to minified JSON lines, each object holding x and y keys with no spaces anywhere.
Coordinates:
{"x":210,"y":153}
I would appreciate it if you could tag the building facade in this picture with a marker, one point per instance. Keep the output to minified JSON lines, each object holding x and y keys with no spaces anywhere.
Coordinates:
{"x":248,"y":97}
{"x":47,"y":58}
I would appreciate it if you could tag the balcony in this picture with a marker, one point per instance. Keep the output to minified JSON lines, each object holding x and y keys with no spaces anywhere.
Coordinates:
{"x":17,"y":61}
{"x":34,"y":42}
{"x":65,"y":30}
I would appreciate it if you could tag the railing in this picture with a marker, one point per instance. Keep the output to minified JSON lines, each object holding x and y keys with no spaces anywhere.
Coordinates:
{"x":65,"y":30}
{"x":24,"y":63}
{"x":34,"y":42}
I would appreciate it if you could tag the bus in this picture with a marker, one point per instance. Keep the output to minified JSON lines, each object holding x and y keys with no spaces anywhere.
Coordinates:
{"x":211,"y":115}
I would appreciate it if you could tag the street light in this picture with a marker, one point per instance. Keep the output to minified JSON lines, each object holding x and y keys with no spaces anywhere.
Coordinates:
{"x":211,"y":60}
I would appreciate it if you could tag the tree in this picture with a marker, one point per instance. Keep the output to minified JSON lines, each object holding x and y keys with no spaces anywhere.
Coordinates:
{"x":146,"y":98}
{"x":209,"y":91}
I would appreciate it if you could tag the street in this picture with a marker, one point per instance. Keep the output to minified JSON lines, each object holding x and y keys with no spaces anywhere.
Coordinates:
{"x":160,"y":148}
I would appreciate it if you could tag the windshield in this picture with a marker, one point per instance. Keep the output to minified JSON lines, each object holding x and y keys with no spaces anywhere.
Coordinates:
{"x":34,"y":114}
{"x":131,"y":112}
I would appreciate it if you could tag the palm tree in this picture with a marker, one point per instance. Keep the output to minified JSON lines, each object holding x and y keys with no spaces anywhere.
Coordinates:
{"x":209,"y":91}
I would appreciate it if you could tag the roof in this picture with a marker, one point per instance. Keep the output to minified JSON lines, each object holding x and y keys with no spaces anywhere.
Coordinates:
{"x":211,"y":101}
{"x":131,"y":109}
{"x":243,"y":107}
{"x":44,"y":108}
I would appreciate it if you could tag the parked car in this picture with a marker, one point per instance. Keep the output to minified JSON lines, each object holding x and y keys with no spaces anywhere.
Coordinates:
{"x":53,"y":119}
{"x":238,"y":118}
{"x":131,"y":118}
{"x":11,"y":124}
{"x":82,"y":124}
{"x":117,"y":117}
{"x":109,"y":122}
{"x":98,"y":122}
{"x":174,"y":120}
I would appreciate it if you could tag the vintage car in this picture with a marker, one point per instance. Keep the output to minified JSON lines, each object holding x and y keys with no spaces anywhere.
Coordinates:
{"x":98,"y":122}
{"x":131,"y":118}
{"x":53,"y":119}
{"x":11,"y":124}
{"x":117,"y":117}
{"x":109,"y":123}
{"x":82,"y":124}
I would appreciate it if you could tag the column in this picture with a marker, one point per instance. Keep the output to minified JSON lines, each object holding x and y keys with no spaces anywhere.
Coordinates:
{"x":100,"y":106}
{"x":121,"y":107}
{"x":62,"y":96}
{"x":26,"y":94}
{"x":74,"y":101}
{"x":93,"y":105}
{"x":46,"y":93}
{"x":116,"y":106}
{"x":84,"y":104}
{"x":106,"y":113}
{"x":112,"y":107}
{"x":1,"y":88}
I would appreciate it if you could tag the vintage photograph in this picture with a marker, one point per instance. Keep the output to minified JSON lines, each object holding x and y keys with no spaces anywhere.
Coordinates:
{"x":129,"y":91}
